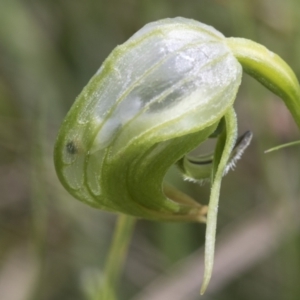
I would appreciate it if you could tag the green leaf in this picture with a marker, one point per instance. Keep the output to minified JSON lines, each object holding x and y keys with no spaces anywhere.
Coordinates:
{"x":283,"y":146}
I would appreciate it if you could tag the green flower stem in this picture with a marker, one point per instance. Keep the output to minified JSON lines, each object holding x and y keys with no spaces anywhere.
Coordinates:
{"x":115,"y":261}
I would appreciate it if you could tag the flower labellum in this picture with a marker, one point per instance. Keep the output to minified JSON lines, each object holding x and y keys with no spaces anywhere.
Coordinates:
{"x":155,"y":98}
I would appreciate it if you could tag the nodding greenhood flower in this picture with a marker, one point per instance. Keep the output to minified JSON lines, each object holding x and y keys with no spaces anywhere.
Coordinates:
{"x":166,"y":90}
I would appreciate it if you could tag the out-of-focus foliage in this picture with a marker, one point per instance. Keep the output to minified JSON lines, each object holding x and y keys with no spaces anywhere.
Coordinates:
{"x":53,"y":247}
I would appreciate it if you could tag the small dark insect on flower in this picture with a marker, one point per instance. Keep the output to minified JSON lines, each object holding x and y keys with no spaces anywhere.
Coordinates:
{"x":71,"y":147}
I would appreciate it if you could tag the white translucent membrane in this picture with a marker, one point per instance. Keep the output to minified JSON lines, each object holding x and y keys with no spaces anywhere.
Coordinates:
{"x":73,"y":172}
{"x":160,"y":71}
{"x":93,"y":172}
{"x":207,"y":32}
{"x":143,"y":51}
{"x":75,"y":176}
{"x":184,"y":94}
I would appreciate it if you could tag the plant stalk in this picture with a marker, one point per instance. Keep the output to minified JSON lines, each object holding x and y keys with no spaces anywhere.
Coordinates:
{"x":116,"y":258}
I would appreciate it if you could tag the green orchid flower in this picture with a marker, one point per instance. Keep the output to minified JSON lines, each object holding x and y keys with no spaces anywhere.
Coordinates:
{"x":158,"y":96}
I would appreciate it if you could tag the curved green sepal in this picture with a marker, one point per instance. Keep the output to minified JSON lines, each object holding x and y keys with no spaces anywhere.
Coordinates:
{"x":268,"y":68}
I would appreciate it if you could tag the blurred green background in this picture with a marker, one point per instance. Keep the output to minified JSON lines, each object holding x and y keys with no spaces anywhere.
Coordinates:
{"x":53,"y":247}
